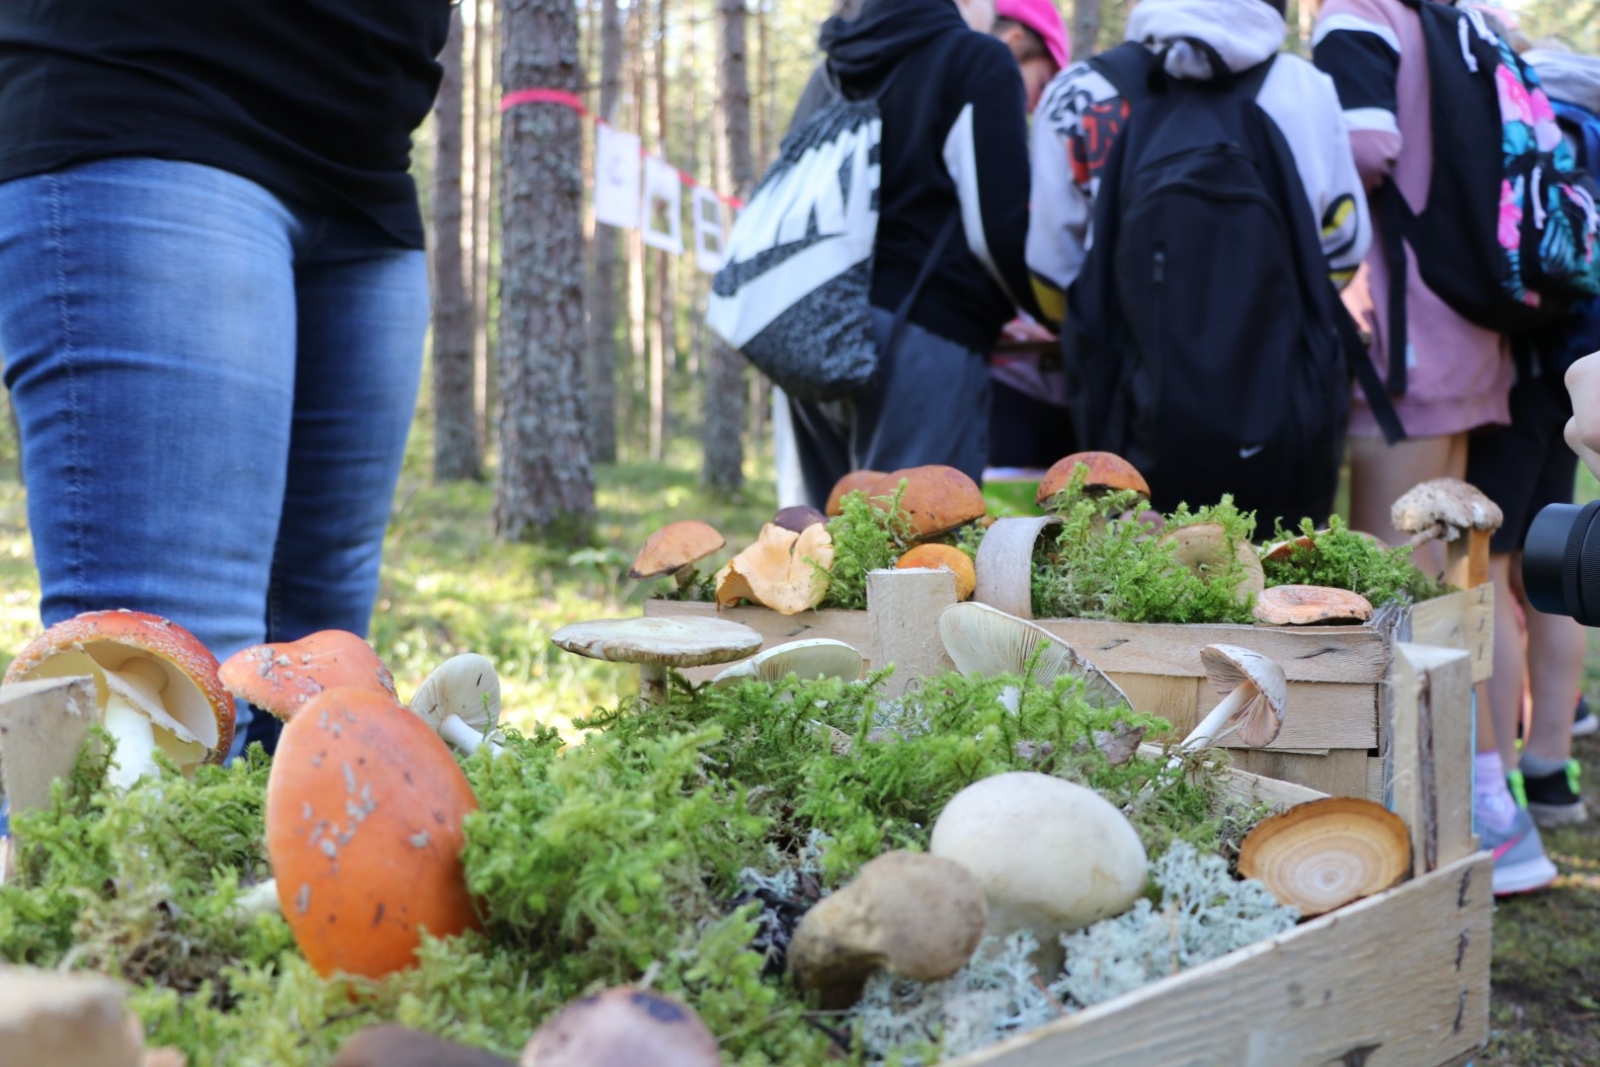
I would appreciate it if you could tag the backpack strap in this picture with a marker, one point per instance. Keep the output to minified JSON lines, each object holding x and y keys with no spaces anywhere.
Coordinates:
{"x":1128,"y":68}
{"x":1395,"y":218}
{"x":935,"y":253}
{"x":1379,"y":402}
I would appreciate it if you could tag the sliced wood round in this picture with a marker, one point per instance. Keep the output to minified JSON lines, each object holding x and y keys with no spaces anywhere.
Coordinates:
{"x":1307,"y":605}
{"x":1324,"y":854}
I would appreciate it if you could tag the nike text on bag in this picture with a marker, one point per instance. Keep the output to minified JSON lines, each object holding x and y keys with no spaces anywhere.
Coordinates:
{"x":1202,"y":339}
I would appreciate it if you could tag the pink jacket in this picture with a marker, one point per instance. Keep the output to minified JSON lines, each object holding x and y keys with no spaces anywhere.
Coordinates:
{"x":1459,"y":374}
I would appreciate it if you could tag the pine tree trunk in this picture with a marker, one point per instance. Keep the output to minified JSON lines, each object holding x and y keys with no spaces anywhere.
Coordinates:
{"x":455,"y":418}
{"x":1085,"y":28}
{"x":666,"y":310}
{"x":725,"y":393}
{"x":484,"y":168}
{"x":545,"y":488}
{"x":691,"y":160}
{"x":603,"y":306}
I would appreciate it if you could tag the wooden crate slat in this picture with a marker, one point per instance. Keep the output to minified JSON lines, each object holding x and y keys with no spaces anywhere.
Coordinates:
{"x":1463,"y":620}
{"x":1307,"y":653}
{"x":1339,"y":773}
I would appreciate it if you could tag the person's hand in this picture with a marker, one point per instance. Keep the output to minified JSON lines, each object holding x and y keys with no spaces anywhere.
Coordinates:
{"x":1583,"y":429}
{"x":1021,"y":329}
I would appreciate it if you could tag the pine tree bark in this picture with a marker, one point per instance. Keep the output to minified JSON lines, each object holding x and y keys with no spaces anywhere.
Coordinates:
{"x":666,"y":309}
{"x":725,"y":391}
{"x":545,"y":488}
{"x":455,"y":417}
{"x":485,"y":171}
{"x":603,"y":305}
{"x":1086,"y":19}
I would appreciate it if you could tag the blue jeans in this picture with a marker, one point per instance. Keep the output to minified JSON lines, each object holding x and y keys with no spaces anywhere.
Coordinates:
{"x":214,"y":389}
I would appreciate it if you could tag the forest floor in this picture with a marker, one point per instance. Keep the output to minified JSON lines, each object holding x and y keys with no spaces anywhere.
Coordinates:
{"x":450,"y":587}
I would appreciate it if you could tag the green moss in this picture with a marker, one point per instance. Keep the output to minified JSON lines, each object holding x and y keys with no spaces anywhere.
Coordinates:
{"x":868,"y":535}
{"x":1343,"y":559}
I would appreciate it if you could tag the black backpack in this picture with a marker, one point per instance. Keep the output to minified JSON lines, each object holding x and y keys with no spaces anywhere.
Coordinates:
{"x":1204,"y":340}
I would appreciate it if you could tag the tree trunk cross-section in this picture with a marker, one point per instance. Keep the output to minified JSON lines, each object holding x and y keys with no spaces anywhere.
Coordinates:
{"x":545,"y":487}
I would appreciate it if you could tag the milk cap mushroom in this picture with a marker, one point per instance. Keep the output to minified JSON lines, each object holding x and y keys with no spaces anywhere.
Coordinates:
{"x":461,"y":700}
{"x":937,"y":499}
{"x":850,"y":483}
{"x":623,"y":1027}
{"x":658,"y":643}
{"x":1307,"y":605}
{"x":1254,"y":692}
{"x":782,"y":570}
{"x":983,"y":640}
{"x":674,"y":548}
{"x":279,"y":678}
{"x":910,"y":913}
{"x":817,"y":657}
{"x":1051,"y":856}
{"x":1326,"y":853}
{"x":934,"y":556}
{"x":796,"y":519}
{"x":1203,"y":549}
{"x":364,"y":812}
{"x":1105,"y":472}
{"x":1283,"y":551}
{"x":156,"y":687}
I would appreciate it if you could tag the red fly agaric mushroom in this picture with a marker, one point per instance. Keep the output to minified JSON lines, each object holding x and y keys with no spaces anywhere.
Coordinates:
{"x":364,"y":812}
{"x":782,"y":570}
{"x":951,"y":558}
{"x":675,"y":549}
{"x":1203,"y":549}
{"x":937,"y":499}
{"x":156,"y":687}
{"x":1307,"y":605}
{"x":280,"y":678}
{"x":1326,"y":853}
{"x":623,"y":1027}
{"x":658,"y":643}
{"x":1253,"y":691}
{"x":1445,"y":509}
{"x":1105,"y":472}
{"x":850,"y":483}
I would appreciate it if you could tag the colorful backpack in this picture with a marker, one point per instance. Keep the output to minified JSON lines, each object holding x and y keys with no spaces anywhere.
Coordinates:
{"x":1562,"y":343}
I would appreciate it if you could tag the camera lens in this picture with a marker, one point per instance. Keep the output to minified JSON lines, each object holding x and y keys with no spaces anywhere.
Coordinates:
{"x":1561,"y":562}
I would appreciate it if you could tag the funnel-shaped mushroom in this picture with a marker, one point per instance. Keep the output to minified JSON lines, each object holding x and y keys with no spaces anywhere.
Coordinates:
{"x":461,"y":700}
{"x":1307,"y":605}
{"x":281,"y":678}
{"x":675,"y":549}
{"x":1203,"y":549}
{"x":937,"y":499}
{"x":1254,"y":692}
{"x":1105,"y":472}
{"x":783,"y":570}
{"x":1326,"y":853}
{"x":364,"y":812}
{"x":156,"y":686}
{"x":850,"y":483}
{"x":949,"y":557}
{"x":658,"y":643}
{"x":984,"y":640}
{"x":1444,"y":509}
{"x":623,"y":1026}
{"x":818,"y":657}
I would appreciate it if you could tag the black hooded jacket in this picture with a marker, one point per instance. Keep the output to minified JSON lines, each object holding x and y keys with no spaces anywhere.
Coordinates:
{"x":954,"y":140}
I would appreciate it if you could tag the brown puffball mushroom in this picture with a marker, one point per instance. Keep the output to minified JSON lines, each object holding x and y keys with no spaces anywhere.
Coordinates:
{"x":389,"y":1045}
{"x":282,"y":677}
{"x":1326,"y":853}
{"x":656,"y":644}
{"x":782,"y":570}
{"x":1307,"y":605}
{"x":912,"y":914}
{"x":1459,"y":514}
{"x":1106,"y":472}
{"x":623,"y":1027}
{"x":934,"y":556}
{"x":1254,"y":693}
{"x":675,"y":549}
{"x":850,"y":483}
{"x":1202,"y":548}
{"x":938,"y":499}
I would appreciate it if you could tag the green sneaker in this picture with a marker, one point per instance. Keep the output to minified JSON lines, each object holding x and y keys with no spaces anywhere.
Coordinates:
{"x":1552,"y":799}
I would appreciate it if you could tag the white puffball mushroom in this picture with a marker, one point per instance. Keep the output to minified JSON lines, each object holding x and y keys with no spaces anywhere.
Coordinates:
{"x":1052,"y":856}
{"x":460,"y":700}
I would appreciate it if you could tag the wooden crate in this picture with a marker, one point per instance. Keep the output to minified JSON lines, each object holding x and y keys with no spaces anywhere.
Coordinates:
{"x":1334,"y":737}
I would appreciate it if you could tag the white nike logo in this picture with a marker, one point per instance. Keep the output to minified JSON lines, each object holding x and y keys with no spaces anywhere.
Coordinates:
{"x":1246,"y":453}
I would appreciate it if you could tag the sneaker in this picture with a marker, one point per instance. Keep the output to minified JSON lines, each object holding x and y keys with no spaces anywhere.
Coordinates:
{"x":1520,"y":865}
{"x":1584,"y":721}
{"x":1552,"y":799}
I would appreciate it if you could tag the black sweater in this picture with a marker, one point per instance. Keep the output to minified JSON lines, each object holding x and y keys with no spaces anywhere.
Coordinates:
{"x":954,"y":140}
{"x":314,"y":99}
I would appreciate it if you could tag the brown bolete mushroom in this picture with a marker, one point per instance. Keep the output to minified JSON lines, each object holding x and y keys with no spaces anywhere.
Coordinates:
{"x":798,"y":518}
{"x":850,"y":483}
{"x":817,"y":657}
{"x":1104,"y":472}
{"x":156,"y":687}
{"x":389,"y":1045}
{"x":983,"y":640}
{"x":1283,"y":551}
{"x":623,"y":1027}
{"x":675,"y":549}
{"x":1254,"y":692}
{"x":1203,"y":549}
{"x":1307,"y":605}
{"x":934,"y":556}
{"x":912,"y":914}
{"x":280,"y":678}
{"x":1326,"y":853}
{"x":658,"y":643}
{"x":364,"y":812}
{"x":783,"y":570}
{"x":461,"y":700}
{"x":937,"y":499}
{"x":1460,"y":515}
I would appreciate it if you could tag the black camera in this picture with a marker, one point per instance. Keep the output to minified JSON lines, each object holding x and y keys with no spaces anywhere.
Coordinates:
{"x":1561,"y":562}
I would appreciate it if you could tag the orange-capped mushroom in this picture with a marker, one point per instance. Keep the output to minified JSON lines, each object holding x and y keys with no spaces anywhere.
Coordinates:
{"x":938,"y":499}
{"x":364,"y":812}
{"x":1106,"y":472}
{"x":951,"y":558}
{"x":1307,"y":605}
{"x":156,"y":686}
{"x":281,"y":678}
{"x":862,"y":480}
{"x":675,"y":547}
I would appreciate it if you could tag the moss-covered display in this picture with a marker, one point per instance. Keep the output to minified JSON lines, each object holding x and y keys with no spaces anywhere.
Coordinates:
{"x":1343,"y":559}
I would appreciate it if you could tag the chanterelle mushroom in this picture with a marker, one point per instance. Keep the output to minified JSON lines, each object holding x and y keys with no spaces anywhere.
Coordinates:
{"x":1254,"y":693}
{"x":622,"y":1027}
{"x":783,"y":570}
{"x":675,"y":549}
{"x":461,"y":700}
{"x":658,"y":643}
{"x":817,"y":657}
{"x":1326,"y":853}
{"x":1105,"y":472}
{"x":280,"y":678}
{"x":1444,"y":509}
{"x":156,"y":687}
{"x":915,"y":915}
{"x":984,"y":640}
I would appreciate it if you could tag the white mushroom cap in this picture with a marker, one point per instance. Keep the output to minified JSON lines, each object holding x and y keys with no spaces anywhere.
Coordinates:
{"x":1447,"y":502}
{"x":660,"y":642}
{"x":461,"y":699}
{"x":819,"y":657}
{"x":1255,"y":691}
{"x":985,"y":640}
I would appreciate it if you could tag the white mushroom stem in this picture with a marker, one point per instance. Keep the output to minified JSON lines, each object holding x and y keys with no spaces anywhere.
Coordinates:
{"x":1217,"y":724}
{"x":653,"y":683}
{"x":136,"y":741}
{"x":259,"y":899}
{"x":457,"y":732}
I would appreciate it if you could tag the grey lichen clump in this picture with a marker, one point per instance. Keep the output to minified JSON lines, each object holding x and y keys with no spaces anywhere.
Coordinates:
{"x":1204,"y":913}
